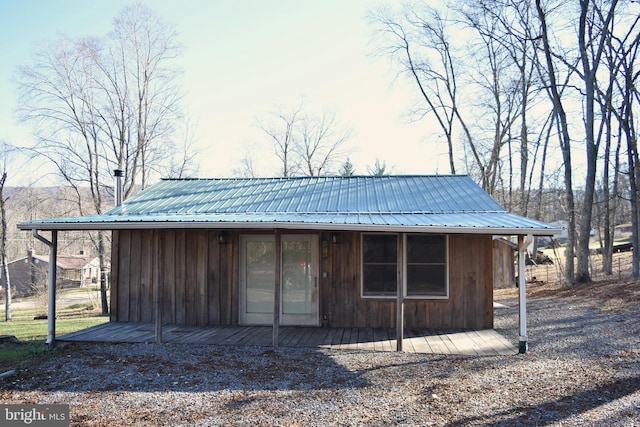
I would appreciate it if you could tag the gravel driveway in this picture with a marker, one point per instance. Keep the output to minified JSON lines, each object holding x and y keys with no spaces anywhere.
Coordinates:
{"x":582,"y":368}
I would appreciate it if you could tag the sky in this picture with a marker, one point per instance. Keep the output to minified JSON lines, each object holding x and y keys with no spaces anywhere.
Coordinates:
{"x":242,"y":60}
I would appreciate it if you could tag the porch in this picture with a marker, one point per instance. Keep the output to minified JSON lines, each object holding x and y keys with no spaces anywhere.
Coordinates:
{"x":486,"y":342}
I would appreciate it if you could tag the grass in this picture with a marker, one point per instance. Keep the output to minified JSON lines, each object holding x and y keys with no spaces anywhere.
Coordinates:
{"x":36,"y":330}
{"x":33,"y":333}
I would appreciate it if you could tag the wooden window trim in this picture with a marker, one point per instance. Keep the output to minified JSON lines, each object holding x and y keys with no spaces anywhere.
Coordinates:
{"x":404,"y":272}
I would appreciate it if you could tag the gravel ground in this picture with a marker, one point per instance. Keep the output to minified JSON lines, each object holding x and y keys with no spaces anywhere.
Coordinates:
{"x":582,"y":368}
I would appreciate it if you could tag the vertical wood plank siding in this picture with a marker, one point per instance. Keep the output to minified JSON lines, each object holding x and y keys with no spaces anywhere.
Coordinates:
{"x":146,"y":276}
{"x":504,"y":272}
{"x":201,"y":276}
{"x":213,"y":291}
{"x":124,"y":259}
{"x":113,"y":279}
{"x":169,"y":274}
{"x":179,"y":257}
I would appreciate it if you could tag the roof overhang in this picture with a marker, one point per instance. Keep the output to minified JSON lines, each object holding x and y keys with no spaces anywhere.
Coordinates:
{"x":504,"y":224}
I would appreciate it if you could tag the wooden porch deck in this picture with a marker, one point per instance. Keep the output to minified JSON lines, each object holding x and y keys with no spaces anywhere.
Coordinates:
{"x":485,"y":342}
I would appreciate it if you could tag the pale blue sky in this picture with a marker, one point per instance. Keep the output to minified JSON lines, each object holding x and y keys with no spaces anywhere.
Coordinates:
{"x":243,"y":59}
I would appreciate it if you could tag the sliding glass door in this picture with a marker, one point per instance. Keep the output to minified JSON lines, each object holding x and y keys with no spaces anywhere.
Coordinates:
{"x":299,"y":283}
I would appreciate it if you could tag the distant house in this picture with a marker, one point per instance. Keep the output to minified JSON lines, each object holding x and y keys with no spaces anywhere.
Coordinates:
{"x":563,"y":225}
{"x":360,"y":251}
{"x":28,"y":275}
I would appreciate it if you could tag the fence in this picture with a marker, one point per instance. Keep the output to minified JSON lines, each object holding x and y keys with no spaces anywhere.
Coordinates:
{"x":552,"y":273}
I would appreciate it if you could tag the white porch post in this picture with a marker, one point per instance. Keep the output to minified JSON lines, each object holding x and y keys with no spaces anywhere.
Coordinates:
{"x":51,"y":284}
{"x":522,"y":292}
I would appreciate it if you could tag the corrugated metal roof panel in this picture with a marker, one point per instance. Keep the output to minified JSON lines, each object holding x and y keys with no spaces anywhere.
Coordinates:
{"x":317,"y":195}
{"x":392,"y":202}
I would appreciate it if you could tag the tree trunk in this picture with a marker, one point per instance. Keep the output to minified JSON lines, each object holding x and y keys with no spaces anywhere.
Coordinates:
{"x":634,"y":174}
{"x":103,"y":279}
{"x":634,"y":169}
{"x":609,"y":207}
{"x":565,"y":146}
{"x":3,"y":250}
{"x":7,"y":289}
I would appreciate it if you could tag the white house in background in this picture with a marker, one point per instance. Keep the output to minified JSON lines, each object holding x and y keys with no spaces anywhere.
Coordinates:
{"x":29,"y":273}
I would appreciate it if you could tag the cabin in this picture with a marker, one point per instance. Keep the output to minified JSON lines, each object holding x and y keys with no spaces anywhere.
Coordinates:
{"x":357,"y":251}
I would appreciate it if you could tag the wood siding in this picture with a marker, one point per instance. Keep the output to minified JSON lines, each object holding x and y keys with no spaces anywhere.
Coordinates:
{"x":196,"y":277}
{"x":200,"y":280}
{"x":470,"y":302}
{"x":504,"y":271}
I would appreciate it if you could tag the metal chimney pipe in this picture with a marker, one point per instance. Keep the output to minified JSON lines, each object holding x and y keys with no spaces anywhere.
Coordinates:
{"x":118,"y":174}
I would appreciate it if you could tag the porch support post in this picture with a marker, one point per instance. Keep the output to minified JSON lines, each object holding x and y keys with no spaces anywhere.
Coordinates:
{"x":276,"y":290}
{"x":522,"y":292}
{"x":51,"y":285}
{"x":158,"y":249}
{"x":400,"y":293}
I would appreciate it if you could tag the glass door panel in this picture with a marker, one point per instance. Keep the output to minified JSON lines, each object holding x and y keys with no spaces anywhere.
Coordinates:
{"x":299,"y":280}
{"x":299,"y":290}
{"x":257,"y":279}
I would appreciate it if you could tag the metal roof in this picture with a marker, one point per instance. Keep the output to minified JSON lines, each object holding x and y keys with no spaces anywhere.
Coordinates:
{"x":438,"y":203}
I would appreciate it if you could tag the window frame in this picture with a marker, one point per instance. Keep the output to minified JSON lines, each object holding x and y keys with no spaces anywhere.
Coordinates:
{"x":364,"y":295}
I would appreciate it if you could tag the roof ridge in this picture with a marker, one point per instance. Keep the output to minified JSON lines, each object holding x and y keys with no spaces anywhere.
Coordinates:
{"x":323,"y":177}
{"x":425,"y":212}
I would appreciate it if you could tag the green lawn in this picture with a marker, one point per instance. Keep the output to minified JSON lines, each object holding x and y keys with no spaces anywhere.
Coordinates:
{"x":33,"y":333}
{"x":36,"y":330}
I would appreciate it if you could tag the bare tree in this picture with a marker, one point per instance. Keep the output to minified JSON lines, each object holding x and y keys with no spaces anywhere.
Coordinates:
{"x":281,"y":130}
{"x":3,"y":241}
{"x":565,"y":140}
{"x":322,"y":139}
{"x":622,"y":57}
{"x":630,"y":96}
{"x":99,"y":104}
{"x":304,"y":143}
{"x":493,"y":79}
{"x":499,"y":96}
{"x":593,"y":29}
{"x":420,"y":44}
{"x":184,"y":163}
{"x":514,"y":53}
{"x":620,"y":53}
{"x":509,"y":36}
{"x":139,"y":79}
{"x":248,"y":167}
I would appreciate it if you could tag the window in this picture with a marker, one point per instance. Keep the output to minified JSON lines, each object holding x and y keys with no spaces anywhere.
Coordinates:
{"x":379,"y":255}
{"x":426,"y":273}
{"x":425,"y":269}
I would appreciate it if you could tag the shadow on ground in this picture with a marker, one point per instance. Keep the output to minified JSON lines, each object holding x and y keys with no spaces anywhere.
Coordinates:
{"x":181,"y":367}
